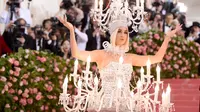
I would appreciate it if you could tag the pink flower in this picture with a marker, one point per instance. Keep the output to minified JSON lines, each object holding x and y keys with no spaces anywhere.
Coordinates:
{"x":11,"y":91}
{"x":14,"y":79}
{"x":176,"y":66}
{"x":26,"y":91}
{"x":38,"y":97}
{"x":25,"y":76}
{"x":16,"y":73}
{"x":16,"y":63}
{"x":30,"y":101}
{"x":23,"y":101}
{"x":24,"y":82}
{"x":15,"y":98}
{"x":50,"y":97}
{"x":157,"y":36}
{"x":56,"y":69}
{"x":11,"y":72}
{"x":42,"y":108}
{"x":7,"y":105}
{"x":17,"y":69}
{"x":49,"y":88}
{"x":6,"y":87}
{"x":134,"y":44}
{"x":19,"y":92}
{"x":2,"y":69}
{"x":3,"y":79}
{"x":43,"y":59}
{"x":11,"y":60}
{"x":25,"y":95}
{"x":35,"y":90}
{"x":9,"y":84}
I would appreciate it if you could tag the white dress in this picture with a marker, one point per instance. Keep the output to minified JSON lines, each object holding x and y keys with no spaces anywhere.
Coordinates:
{"x":109,"y":85}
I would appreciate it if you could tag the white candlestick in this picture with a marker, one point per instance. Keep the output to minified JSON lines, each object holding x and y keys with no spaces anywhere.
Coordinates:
{"x":156,"y":93}
{"x":75,"y":66}
{"x":142,"y":74}
{"x":158,"y":73}
{"x":65,"y":84}
{"x":163,"y":98}
{"x":168,"y":94}
{"x":79,"y":87}
{"x":88,"y":63}
{"x":148,"y":67}
{"x":96,"y":4}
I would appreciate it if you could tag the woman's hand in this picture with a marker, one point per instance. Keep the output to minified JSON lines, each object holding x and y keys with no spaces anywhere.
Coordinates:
{"x":172,"y":33}
{"x":65,"y":23}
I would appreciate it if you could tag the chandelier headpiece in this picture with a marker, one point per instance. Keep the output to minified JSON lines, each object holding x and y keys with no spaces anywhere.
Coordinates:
{"x":118,"y":13}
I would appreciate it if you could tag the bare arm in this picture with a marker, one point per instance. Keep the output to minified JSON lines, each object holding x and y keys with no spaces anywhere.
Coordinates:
{"x":138,"y":60}
{"x":76,"y":53}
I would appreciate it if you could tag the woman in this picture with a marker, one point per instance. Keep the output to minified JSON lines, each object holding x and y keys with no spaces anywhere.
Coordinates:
{"x":107,"y":61}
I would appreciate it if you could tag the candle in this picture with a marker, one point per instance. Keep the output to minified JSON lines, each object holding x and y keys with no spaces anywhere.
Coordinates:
{"x":139,"y":85}
{"x":156,"y":93}
{"x":119,"y":84}
{"x":96,"y":4}
{"x":121,"y":60}
{"x":168,"y":94}
{"x":163,"y":98}
{"x":101,"y":5}
{"x":142,"y":4}
{"x":148,"y":67}
{"x":88,"y":63}
{"x":96,"y":83}
{"x":142,"y":74}
{"x":65,"y":84}
{"x":75,"y":66}
{"x":158,"y":73}
{"x":79,"y":87}
{"x":137,"y":3}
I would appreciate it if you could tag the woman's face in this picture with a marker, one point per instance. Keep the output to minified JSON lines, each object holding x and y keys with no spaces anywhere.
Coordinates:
{"x":122,"y":36}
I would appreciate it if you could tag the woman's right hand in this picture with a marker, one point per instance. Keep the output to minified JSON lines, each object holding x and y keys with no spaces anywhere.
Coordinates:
{"x":65,"y":23}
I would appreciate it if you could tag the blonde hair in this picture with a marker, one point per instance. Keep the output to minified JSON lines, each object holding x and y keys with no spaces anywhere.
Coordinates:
{"x":113,"y":36}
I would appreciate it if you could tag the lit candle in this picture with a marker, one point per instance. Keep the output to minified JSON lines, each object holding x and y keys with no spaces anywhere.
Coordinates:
{"x":168,"y":94}
{"x":121,"y":60}
{"x":88,"y":63}
{"x":142,"y":74}
{"x":65,"y":84}
{"x":148,"y":67}
{"x":158,"y":73}
{"x":75,"y":66}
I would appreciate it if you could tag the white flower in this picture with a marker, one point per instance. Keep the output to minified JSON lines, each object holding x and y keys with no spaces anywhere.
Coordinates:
{"x":26,"y":57}
{"x":27,"y":51}
{"x":25,"y":63}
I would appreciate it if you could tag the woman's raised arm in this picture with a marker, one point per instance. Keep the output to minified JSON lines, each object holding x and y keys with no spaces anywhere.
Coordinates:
{"x":76,"y":53}
{"x":138,"y":60}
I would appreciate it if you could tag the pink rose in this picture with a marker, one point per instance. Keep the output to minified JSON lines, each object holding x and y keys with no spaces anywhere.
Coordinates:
{"x":42,"y":108}
{"x":11,"y":72}
{"x":7,"y":105}
{"x":50,"y":97}
{"x":11,"y":91}
{"x":9,"y":84}
{"x":19,"y":92}
{"x":11,"y":60}
{"x":17,"y":69}
{"x":23,"y":101}
{"x":134,"y":45}
{"x":2,"y":69}
{"x":25,"y":76}
{"x":56,"y":69}
{"x":38,"y":97}
{"x":3,"y":79}
{"x":25,"y":95}
{"x":16,"y":73}
{"x":46,"y":108}
{"x":49,"y":88}
{"x":14,"y":79}
{"x":15,"y":98}
{"x":35,"y":90}
{"x":157,"y":36}
{"x":43,"y":59}
{"x":30,"y":101}
{"x":6,"y":87}
{"x":26,"y":91}
{"x":176,"y":66}
{"x":16,"y":63}
{"x":24,"y":82}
